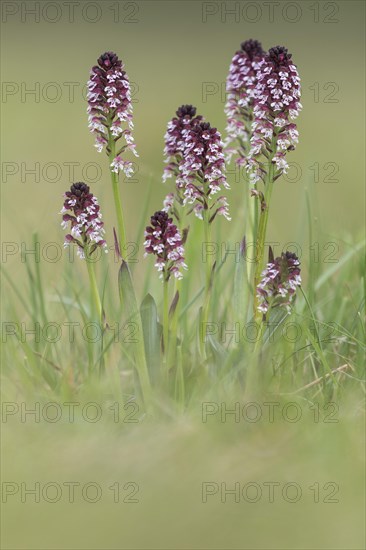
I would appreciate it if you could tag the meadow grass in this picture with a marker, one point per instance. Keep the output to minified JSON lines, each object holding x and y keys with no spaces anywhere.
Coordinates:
{"x":325,"y":332}
{"x":183,"y":439}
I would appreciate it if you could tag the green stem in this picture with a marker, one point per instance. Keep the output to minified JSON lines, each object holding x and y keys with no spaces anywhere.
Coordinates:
{"x":166,"y":319}
{"x":252,"y":224}
{"x":181,"y":285}
{"x":172,"y":352}
{"x":117,"y":197}
{"x":174,"y":326}
{"x":207,"y":232}
{"x":94,"y":287}
{"x":262,"y":229}
{"x":251,"y":207}
{"x":206,"y":300}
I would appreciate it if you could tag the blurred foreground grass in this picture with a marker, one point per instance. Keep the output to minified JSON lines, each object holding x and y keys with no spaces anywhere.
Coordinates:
{"x":169,"y":462}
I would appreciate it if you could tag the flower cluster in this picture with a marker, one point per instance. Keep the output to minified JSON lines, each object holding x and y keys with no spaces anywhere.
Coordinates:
{"x":174,"y":149}
{"x":202,"y":170}
{"x":240,"y":87}
{"x":194,"y":155}
{"x":110,"y":108}
{"x":164,"y":241}
{"x":174,"y":138}
{"x":85,"y":220}
{"x":279,"y":282}
{"x":276,"y":104}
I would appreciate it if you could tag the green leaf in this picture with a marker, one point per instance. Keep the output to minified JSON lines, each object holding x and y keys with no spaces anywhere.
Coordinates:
{"x":219,"y":353}
{"x":241,"y":286}
{"x":173,"y":322}
{"x":131,"y":314}
{"x":276,"y":319}
{"x":173,"y":305}
{"x":152,"y":335}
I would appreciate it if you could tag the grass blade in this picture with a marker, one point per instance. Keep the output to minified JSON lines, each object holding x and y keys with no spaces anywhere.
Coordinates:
{"x":151,"y":333}
{"x":131,"y":314}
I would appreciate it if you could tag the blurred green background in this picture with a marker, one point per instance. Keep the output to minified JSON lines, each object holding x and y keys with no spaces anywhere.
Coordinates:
{"x":179,"y":52}
{"x":174,"y":57}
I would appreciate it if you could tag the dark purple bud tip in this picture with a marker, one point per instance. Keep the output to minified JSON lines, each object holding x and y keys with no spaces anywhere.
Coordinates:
{"x":205,"y":126}
{"x":291,"y":256}
{"x":109,"y":60}
{"x":202,"y":128}
{"x":279,"y":55}
{"x":78,"y":189}
{"x":252,"y":48}
{"x":186,"y":110}
{"x":161,"y":219}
